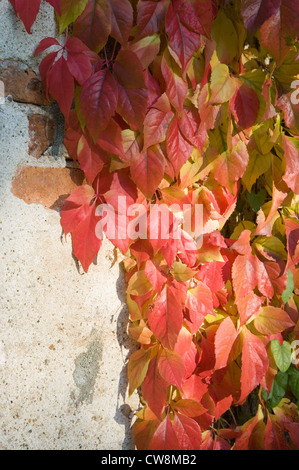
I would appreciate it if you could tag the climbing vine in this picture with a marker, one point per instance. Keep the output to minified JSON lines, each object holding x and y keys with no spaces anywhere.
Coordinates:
{"x":171,"y":106}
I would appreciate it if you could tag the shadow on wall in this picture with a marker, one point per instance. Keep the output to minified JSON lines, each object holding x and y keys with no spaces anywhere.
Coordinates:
{"x":123,"y":414}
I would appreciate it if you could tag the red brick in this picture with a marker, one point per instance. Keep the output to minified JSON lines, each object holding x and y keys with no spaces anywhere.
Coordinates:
{"x":41,"y":134}
{"x":22,"y":83}
{"x":46,"y":186}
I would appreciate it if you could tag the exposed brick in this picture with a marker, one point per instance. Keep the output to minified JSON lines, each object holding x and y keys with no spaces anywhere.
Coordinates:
{"x":22,"y":83}
{"x":46,"y":186}
{"x":41,"y":134}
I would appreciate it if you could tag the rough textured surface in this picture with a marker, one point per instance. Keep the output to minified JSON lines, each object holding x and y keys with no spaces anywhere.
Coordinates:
{"x":41,"y":134}
{"x":15,"y":43}
{"x":46,"y":186}
{"x":22,"y":83}
{"x":63,"y":333}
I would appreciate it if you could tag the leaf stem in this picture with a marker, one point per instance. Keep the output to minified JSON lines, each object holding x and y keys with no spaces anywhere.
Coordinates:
{"x":106,"y":58}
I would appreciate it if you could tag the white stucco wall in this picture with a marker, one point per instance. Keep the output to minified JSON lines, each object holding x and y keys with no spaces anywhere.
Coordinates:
{"x":63,"y":334}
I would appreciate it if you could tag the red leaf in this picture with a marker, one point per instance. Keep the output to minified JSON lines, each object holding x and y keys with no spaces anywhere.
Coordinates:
{"x":275,"y":437}
{"x":143,"y":431}
{"x":121,"y":20}
{"x":290,"y":109}
{"x":289,"y":11}
{"x":61,"y":85}
{"x":94,"y":25}
{"x":154,"y":388}
{"x":199,"y":304}
{"x":98,"y":101}
{"x":176,"y":86}
{"x":187,"y":431}
{"x":186,"y":348}
{"x":45,"y":67}
{"x":27,"y":11}
{"x":224,"y":341}
{"x":150,"y":17}
{"x":194,"y":388}
{"x":291,"y":176}
{"x":171,"y":368}
{"x":86,"y":245}
{"x":273,"y":40}
{"x":164,"y":437}
{"x":245,"y":106}
{"x":132,"y":92}
{"x":256,"y":12}
{"x":189,"y":126}
{"x":148,"y":170}
{"x":128,"y":70}
{"x":292,"y":232}
{"x":277,"y":199}
{"x":111,"y":141}
{"x":166,"y":318}
{"x":155,"y":276}
{"x":211,"y":274}
{"x":272,"y":320}
{"x":77,"y":61}
{"x":156,"y":122}
{"x":142,"y":251}
{"x":189,"y":408}
{"x":208,"y":112}
{"x":197,"y":14}
{"x":55,"y":4}
{"x":214,"y":442}
{"x":244,"y":275}
{"x":90,"y":157}
{"x":121,"y":186}
{"x":230,"y":166}
{"x":45,"y":44}
{"x":178,"y":148}
{"x":271,"y":277}
{"x":132,"y":105}
{"x":76,"y":208}
{"x":255,"y":363}
{"x":249,"y":306}
{"x":242,"y":245}
{"x":222,"y":406}
{"x":181,"y":40}
{"x":161,"y":225}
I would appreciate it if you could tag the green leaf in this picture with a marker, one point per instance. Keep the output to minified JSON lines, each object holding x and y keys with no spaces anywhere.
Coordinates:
{"x":282,"y":354}
{"x":289,"y":289}
{"x":226,"y":38}
{"x":258,"y":165}
{"x":278,"y":389}
{"x":294,"y":381}
{"x":70,"y":10}
{"x":257,"y":200}
{"x":223,"y":86}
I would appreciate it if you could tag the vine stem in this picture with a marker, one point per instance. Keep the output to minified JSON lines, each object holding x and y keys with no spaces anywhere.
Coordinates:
{"x":233,"y":416}
{"x":106,"y":58}
{"x":113,"y":52}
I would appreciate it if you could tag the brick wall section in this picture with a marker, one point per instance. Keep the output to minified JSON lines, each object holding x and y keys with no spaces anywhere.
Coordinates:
{"x":38,"y":185}
{"x":22,"y":83}
{"x":47,"y":186}
{"x":41,"y":133}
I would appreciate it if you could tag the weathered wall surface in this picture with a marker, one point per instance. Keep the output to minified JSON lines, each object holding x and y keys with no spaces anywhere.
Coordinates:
{"x":63,"y":333}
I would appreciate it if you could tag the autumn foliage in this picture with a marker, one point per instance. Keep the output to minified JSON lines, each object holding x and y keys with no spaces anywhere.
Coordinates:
{"x":191,"y":102}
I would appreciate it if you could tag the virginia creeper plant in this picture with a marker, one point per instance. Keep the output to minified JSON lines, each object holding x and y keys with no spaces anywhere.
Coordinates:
{"x":191,"y":102}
